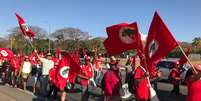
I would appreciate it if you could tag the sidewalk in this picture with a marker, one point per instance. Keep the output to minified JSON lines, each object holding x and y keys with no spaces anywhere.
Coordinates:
{"x":5,"y":97}
{"x":8,"y":93}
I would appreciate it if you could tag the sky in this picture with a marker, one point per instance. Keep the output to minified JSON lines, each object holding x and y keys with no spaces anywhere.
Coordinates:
{"x":183,"y":17}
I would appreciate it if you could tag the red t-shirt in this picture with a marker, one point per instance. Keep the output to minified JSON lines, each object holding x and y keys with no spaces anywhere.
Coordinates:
{"x":86,"y":70}
{"x":112,"y":83}
{"x":175,"y":73}
{"x":194,"y":89}
{"x":15,"y":65}
{"x":142,"y":88}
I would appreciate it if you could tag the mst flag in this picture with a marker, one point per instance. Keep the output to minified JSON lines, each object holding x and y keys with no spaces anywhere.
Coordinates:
{"x":6,"y":54}
{"x":159,"y":42}
{"x":66,"y":70}
{"x":121,"y":37}
{"x":183,"y":59}
{"x":24,"y":28}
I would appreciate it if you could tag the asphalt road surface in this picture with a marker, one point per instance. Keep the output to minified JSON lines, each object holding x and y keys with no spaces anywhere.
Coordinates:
{"x":8,"y":93}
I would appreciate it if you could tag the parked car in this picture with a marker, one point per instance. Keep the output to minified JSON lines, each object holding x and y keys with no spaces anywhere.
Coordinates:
{"x":166,"y":66}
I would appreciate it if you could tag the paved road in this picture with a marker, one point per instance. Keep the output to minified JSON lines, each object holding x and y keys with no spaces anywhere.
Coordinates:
{"x":8,"y":93}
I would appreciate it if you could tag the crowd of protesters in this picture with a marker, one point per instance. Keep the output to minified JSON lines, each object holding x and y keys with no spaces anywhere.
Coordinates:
{"x":95,"y":72}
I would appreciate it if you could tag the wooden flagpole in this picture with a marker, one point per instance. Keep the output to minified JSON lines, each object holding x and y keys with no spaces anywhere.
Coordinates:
{"x":187,"y":58}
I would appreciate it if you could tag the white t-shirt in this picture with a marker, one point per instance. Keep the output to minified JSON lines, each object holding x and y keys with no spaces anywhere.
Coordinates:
{"x":26,"y":67}
{"x":46,"y":65}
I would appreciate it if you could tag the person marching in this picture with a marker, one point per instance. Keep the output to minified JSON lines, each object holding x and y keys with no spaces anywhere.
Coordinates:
{"x":85,"y":76}
{"x":128,"y":67}
{"x":98,"y":61}
{"x":26,"y":70}
{"x":112,"y":81}
{"x":47,"y":64}
{"x":193,"y":81}
{"x":15,"y":67}
{"x":175,"y":79}
{"x":141,"y":84}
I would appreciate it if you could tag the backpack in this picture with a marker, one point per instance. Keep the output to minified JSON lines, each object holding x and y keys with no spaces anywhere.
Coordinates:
{"x":131,"y":85}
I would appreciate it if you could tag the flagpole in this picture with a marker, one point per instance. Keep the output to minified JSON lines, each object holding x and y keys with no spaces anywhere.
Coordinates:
{"x":187,"y":58}
{"x":49,"y":39}
{"x":11,"y":44}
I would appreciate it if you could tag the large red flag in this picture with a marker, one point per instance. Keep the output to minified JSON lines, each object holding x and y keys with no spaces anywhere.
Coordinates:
{"x":183,"y":59}
{"x":24,"y":28}
{"x":122,"y":37}
{"x":159,"y":42}
{"x":66,"y":70}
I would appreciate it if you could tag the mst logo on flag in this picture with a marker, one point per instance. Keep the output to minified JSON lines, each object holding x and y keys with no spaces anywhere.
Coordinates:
{"x":127,"y":34}
{"x":4,"y":53}
{"x":64,"y":72}
{"x":153,"y":47}
{"x":25,"y":27}
{"x":122,"y":37}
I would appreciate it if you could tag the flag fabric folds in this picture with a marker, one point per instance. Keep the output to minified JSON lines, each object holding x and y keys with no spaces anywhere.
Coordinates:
{"x":6,"y":54}
{"x":122,"y":37}
{"x":33,"y":58}
{"x":24,"y":27}
{"x":159,"y":42}
{"x":66,"y":70}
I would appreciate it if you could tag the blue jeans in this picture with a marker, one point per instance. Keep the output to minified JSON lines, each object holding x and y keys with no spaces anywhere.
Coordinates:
{"x":85,"y":93}
{"x":44,"y":85}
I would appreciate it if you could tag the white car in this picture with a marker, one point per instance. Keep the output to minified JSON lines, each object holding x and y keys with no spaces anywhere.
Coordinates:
{"x":166,"y":66}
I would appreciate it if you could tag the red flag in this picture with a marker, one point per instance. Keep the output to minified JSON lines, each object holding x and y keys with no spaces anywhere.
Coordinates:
{"x":58,"y":54}
{"x":15,"y":64}
{"x":6,"y":54}
{"x":24,"y":28}
{"x":66,"y":70}
{"x":42,"y":54}
{"x":183,"y":59}
{"x":122,"y":37}
{"x":76,"y":56}
{"x":52,"y":75}
{"x":20,"y":52}
{"x":33,"y":58}
{"x":159,"y":42}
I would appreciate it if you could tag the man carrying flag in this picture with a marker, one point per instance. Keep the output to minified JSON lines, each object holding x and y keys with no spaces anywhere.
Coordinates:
{"x":47,"y":64}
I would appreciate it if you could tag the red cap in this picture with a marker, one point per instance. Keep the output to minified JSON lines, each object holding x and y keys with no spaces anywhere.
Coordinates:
{"x":87,"y":58}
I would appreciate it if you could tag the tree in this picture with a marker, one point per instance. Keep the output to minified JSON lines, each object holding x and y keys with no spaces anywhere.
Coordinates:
{"x":70,"y":37}
{"x":17,"y":40}
{"x":197,"y":42}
